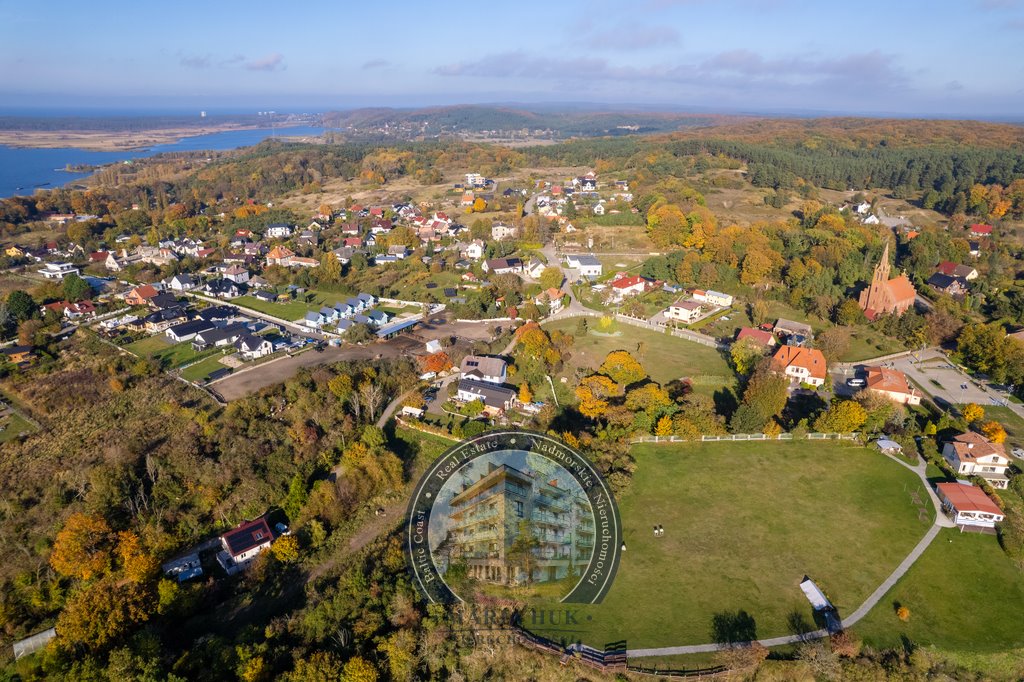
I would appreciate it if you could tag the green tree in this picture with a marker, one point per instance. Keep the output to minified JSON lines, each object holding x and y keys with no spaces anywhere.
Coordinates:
{"x":842,"y":416}
{"x":21,"y":306}
{"x":745,"y":355}
{"x":552,"y":277}
{"x":622,"y":368}
{"x":849,"y":313}
{"x":75,"y":288}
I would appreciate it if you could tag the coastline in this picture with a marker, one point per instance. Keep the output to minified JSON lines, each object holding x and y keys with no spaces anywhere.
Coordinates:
{"x":108,"y":141}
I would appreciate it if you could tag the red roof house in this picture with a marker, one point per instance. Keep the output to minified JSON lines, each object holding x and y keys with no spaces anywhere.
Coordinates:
{"x":765,"y":338}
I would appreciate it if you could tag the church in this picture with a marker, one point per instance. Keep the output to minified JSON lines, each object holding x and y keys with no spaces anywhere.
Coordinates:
{"x":887,"y":296}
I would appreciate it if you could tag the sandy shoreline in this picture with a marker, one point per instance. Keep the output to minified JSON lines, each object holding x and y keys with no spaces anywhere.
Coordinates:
{"x":107,"y":141}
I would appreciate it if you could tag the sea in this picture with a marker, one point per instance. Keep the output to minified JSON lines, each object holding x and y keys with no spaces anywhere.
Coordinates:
{"x":24,"y":170}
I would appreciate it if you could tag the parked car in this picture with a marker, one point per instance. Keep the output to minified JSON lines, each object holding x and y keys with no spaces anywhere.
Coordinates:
{"x":1018,"y":452}
{"x":855,"y":382}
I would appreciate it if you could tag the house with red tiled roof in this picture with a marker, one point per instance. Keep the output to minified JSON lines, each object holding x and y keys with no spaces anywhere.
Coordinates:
{"x":951,"y":269}
{"x":980,"y":230}
{"x":241,"y":545}
{"x":629,"y":286}
{"x":892,"y":384}
{"x":969,"y":505}
{"x":140,"y":295}
{"x":806,"y":365}
{"x":759,"y":336}
{"x":280,"y":255}
{"x":971,"y":454}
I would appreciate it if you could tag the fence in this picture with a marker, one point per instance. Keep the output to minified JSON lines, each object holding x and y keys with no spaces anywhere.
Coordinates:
{"x":742,"y":437}
{"x":686,"y":334}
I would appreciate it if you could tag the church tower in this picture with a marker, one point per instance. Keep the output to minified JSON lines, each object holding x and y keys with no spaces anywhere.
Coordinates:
{"x":884,"y":295}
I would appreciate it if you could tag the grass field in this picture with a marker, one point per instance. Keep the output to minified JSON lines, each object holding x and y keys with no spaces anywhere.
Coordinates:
{"x":13,"y":426}
{"x":744,"y":522}
{"x":169,"y":355}
{"x":665,"y":357}
{"x":290,"y":310}
{"x":866,"y":344}
{"x":964,"y":594}
{"x":200,"y":370}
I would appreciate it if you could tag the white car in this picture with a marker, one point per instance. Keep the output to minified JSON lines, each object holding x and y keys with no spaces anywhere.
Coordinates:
{"x":1018,"y":453}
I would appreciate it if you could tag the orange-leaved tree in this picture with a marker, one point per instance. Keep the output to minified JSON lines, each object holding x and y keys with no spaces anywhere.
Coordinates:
{"x":82,"y":548}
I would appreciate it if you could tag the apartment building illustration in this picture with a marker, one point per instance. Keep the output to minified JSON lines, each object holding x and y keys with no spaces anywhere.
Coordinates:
{"x":509,"y":521}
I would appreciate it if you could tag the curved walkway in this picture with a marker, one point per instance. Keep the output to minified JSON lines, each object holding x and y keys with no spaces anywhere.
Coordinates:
{"x":941,"y":521}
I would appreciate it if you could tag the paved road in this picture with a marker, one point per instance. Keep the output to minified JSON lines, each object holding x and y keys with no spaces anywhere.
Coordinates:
{"x":941,"y":521}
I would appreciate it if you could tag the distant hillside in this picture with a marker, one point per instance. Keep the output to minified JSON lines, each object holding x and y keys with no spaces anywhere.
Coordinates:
{"x":485,"y":119}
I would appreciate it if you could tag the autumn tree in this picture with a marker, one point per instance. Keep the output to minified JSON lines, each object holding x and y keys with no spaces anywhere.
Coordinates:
{"x":745,"y":355}
{"x":973,"y":412}
{"x":763,"y":399}
{"x":82,"y":548}
{"x":286,"y":549}
{"x":552,"y":277}
{"x":622,"y":368}
{"x":849,"y":313}
{"x":103,"y":612}
{"x":994,"y":431}
{"x":664,"y":426}
{"x":358,"y":669}
{"x":137,"y":565}
{"x":842,"y":416}
{"x":592,"y":394}
{"x":320,"y":666}
{"x":330,"y":268}
{"x":525,"y":396}
{"x":436,"y":362}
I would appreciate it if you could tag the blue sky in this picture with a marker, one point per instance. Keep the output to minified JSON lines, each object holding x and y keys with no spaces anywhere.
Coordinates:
{"x":908,"y":57}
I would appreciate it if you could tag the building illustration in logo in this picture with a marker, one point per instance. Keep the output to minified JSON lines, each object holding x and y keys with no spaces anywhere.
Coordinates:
{"x":511,"y":527}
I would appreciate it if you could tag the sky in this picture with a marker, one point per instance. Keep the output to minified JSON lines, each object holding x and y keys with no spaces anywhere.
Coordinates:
{"x":957,"y":58}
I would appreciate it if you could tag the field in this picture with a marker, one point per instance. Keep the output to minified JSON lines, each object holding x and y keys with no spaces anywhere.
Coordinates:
{"x":744,"y":522}
{"x":665,"y":357}
{"x":169,"y":355}
{"x":200,"y":370}
{"x":289,"y":310}
{"x":964,"y":594}
{"x":13,"y":426}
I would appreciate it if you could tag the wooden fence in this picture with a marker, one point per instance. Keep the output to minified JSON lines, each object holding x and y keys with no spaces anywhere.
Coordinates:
{"x":743,"y":437}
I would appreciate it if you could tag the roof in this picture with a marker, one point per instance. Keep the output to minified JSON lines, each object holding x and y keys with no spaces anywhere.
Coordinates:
{"x":482,"y":365}
{"x":627,"y":282}
{"x":280,"y":252}
{"x":585,"y":260}
{"x":396,"y":327}
{"x":967,"y":498}
{"x":217,"y":312}
{"x":970,"y":446}
{"x":223,"y":333}
{"x":944,"y":282}
{"x":901,"y":288}
{"x":502,"y":263}
{"x":981,"y":228}
{"x":144,"y":291}
{"x":791,"y":326}
{"x":757,"y":335}
{"x":884,"y":379}
{"x":810,"y":359}
{"x":193,"y":327}
{"x":492,"y":395}
{"x":250,"y":342}
{"x":687,"y":305}
{"x":248,"y":536}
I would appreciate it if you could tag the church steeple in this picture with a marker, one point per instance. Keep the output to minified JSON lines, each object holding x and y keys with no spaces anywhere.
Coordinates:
{"x":882,"y":269}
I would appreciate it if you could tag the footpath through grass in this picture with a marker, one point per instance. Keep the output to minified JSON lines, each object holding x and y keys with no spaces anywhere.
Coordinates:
{"x":744,"y":522}
{"x":964,"y":594}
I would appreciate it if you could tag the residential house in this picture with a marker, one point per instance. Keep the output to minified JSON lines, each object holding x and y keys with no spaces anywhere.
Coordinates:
{"x":535,"y":268}
{"x":266,"y":296}
{"x":258,"y":282}
{"x":251,"y":347}
{"x":684,"y":310}
{"x":951,"y":286}
{"x":368,"y":300}
{"x":598,"y":209}
{"x":496,"y":399}
{"x":280,"y":255}
{"x":58,"y":270}
{"x":892,"y":384}
{"x":164,"y":299}
{"x":713,"y":297}
{"x":980,"y":230}
{"x":187,"y":330}
{"x":18,"y":355}
{"x":400,"y":251}
{"x":313,"y":320}
{"x":500,"y":231}
{"x":552,"y":298}
{"x":378,"y":318}
{"x":483,"y":368}
{"x":216,"y":313}
{"x":971,"y":454}
{"x":307,"y":238}
{"x":74,"y":311}
{"x":501,"y":266}
{"x":969,"y":505}
{"x":885,"y":296}
{"x":161,"y":320}
{"x":974,"y":248}
{"x":242,"y":544}
{"x":224,"y":288}
{"x":585,"y":265}
{"x":759,"y":336}
{"x":467,"y":199}
{"x":302,"y":261}
{"x":624,"y":287}
{"x":951,"y":269}
{"x":794,"y":333}
{"x":278,"y":231}
{"x":182,"y":283}
{"x":140,"y":295}
{"x":806,"y":365}
{"x":236,"y":274}
{"x":219,"y":336}
{"x":475,"y":249}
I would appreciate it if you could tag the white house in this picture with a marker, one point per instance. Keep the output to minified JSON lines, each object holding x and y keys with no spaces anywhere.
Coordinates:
{"x":58,"y":270}
{"x":599,"y":209}
{"x":242,"y":544}
{"x":535,"y":268}
{"x":251,"y":347}
{"x":968,"y":505}
{"x":278,"y":231}
{"x":182,"y":283}
{"x":475,"y":250}
{"x":971,"y":454}
{"x":584,"y":265}
{"x":501,"y":231}
{"x":482,"y":368}
{"x":236,"y":273}
{"x":684,"y":311}
{"x":713,"y":297}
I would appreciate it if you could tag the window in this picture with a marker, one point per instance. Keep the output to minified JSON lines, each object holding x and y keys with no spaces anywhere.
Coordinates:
{"x":258,"y":535}
{"x":518,"y":508}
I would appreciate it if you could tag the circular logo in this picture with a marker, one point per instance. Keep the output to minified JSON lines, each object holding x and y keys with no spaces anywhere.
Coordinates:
{"x":513,"y":514}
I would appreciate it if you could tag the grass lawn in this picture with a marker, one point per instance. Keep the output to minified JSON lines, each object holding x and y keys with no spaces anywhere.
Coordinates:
{"x":200,"y":370}
{"x":290,"y":310}
{"x":963,"y":594}
{"x":866,"y":344}
{"x":169,"y":355}
{"x":13,"y":426}
{"x":744,"y":522}
{"x":1011,"y":421}
{"x":665,"y":357}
